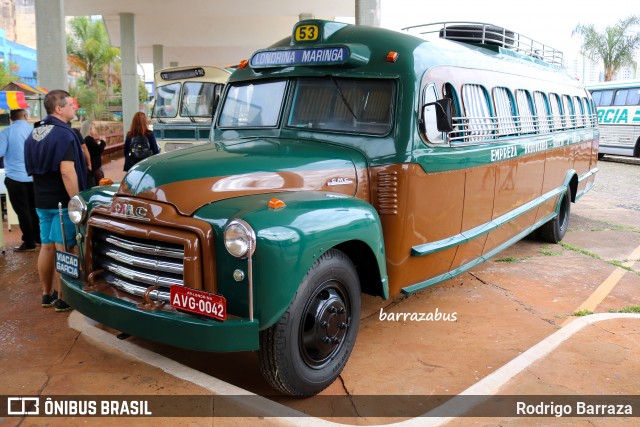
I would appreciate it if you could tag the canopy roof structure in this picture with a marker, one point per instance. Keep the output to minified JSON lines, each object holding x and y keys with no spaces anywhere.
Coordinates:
{"x":205,"y":32}
{"x":25,"y":88}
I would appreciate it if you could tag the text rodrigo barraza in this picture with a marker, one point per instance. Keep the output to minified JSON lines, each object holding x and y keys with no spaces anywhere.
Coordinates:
{"x":576,"y":408}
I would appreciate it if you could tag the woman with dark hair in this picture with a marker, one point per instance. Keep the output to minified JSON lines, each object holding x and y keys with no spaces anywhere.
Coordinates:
{"x":138,"y":135}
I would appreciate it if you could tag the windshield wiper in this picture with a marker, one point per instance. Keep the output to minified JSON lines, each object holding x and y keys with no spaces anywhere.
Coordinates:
{"x":155,"y":117}
{"x":185,"y":108}
{"x":344,"y":100}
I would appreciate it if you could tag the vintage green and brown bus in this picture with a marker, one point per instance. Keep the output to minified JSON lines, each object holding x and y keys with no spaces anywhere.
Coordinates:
{"x":343,"y":160}
{"x":185,"y":101}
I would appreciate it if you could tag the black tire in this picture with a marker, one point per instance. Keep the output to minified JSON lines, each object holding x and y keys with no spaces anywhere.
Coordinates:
{"x":600,"y":156}
{"x":305,"y":351}
{"x":554,"y":230}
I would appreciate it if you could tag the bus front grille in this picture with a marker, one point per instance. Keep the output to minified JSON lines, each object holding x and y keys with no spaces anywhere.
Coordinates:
{"x":133,"y":265}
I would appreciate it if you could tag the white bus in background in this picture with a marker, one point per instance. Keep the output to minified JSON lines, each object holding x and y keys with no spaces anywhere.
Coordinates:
{"x":618,"y":104}
{"x":185,"y":102}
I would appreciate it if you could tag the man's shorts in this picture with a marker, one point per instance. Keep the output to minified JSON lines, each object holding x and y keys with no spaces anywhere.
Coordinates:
{"x":50,"y":227}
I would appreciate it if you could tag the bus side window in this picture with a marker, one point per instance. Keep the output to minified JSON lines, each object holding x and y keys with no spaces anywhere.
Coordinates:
{"x":525,"y":111}
{"x":430,"y":122}
{"x":448,"y":91}
{"x":505,"y":111}
{"x":633,"y":97}
{"x":477,"y":112}
{"x":542,"y":111}
{"x":579,"y":112}
{"x":621,"y":97}
{"x":587,"y":113}
{"x":606,"y":98}
{"x":556,"y":111}
{"x":569,"y":112}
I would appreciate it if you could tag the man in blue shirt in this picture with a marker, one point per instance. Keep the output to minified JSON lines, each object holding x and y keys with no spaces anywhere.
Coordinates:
{"x":19,"y":184}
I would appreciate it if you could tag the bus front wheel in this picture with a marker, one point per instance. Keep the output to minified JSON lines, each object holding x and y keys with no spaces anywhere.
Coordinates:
{"x":305,"y":351}
{"x":554,"y":230}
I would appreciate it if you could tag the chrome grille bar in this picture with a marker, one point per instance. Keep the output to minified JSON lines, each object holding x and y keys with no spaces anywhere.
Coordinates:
{"x":137,"y":290}
{"x":150,"y":279}
{"x":144,"y":248}
{"x":136,"y":261}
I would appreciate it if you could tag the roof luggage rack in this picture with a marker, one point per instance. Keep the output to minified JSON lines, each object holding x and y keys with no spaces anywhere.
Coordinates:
{"x":479,"y":33}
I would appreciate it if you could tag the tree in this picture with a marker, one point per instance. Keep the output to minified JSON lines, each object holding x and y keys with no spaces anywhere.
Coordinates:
{"x":89,"y":48}
{"x":7,"y":76}
{"x":614,"y":48}
{"x":143,"y":94}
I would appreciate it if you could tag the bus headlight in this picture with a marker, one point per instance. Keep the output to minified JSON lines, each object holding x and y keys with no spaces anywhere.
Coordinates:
{"x":239,"y":237}
{"x":77,"y":208}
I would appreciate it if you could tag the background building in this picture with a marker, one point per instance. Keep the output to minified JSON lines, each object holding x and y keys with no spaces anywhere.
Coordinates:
{"x":18,"y":39}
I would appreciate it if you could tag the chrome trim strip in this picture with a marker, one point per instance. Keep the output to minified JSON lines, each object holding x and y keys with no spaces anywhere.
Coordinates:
{"x":465,"y":267}
{"x":250,"y":279}
{"x":473,"y":233}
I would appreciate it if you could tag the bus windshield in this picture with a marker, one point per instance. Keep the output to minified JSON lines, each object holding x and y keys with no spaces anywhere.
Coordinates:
{"x":253,"y":105}
{"x":166,"y":103}
{"x":196,"y":99}
{"x":323,"y":104}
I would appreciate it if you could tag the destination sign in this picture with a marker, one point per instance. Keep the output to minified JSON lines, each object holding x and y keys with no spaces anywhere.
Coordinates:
{"x":182,"y":74}
{"x":315,"y":56}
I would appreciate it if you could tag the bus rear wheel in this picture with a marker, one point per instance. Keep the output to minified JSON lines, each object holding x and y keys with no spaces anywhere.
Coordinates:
{"x":305,"y":351}
{"x":554,"y":230}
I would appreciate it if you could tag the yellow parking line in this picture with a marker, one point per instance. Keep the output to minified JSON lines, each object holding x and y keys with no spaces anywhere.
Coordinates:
{"x":607,"y":286}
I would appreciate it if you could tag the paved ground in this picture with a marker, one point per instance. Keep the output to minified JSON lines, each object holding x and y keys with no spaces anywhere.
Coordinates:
{"x":514,"y":334}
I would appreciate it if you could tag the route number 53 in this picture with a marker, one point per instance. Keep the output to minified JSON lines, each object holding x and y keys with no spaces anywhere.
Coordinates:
{"x":306,"y":33}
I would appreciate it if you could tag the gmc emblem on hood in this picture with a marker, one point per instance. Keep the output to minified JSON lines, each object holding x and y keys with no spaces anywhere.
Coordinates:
{"x":127,"y":210}
{"x":339,"y":181}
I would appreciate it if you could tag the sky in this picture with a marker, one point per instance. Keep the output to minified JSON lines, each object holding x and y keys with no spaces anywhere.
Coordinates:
{"x":550,"y":22}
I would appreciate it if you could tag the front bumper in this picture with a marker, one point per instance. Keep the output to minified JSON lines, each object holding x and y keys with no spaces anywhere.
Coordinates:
{"x":173,"y":328}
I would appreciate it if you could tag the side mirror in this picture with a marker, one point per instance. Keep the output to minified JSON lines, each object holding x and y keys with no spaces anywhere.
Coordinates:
{"x":444,"y":118}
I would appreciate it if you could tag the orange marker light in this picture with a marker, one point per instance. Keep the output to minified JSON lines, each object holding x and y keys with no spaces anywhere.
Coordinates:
{"x":276,"y":204}
{"x":243,"y":64}
{"x":392,"y":56}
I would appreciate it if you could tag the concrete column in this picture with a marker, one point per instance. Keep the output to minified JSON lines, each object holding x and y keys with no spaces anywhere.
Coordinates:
{"x":129,"y":67}
{"x":368,"y":12}
{"x":158,"y":57}
{"x":51,"y":44}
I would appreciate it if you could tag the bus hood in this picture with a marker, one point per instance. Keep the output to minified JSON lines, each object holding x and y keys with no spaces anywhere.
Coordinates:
{"x":193,"y":177}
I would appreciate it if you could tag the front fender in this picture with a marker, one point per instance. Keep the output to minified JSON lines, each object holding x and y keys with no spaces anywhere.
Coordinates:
{"x":289,"y":241}
{"x":99,"y":195}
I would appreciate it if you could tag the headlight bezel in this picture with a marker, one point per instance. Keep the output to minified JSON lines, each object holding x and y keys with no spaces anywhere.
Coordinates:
{"x":238,"y":238}
{"x":77,"y":209}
